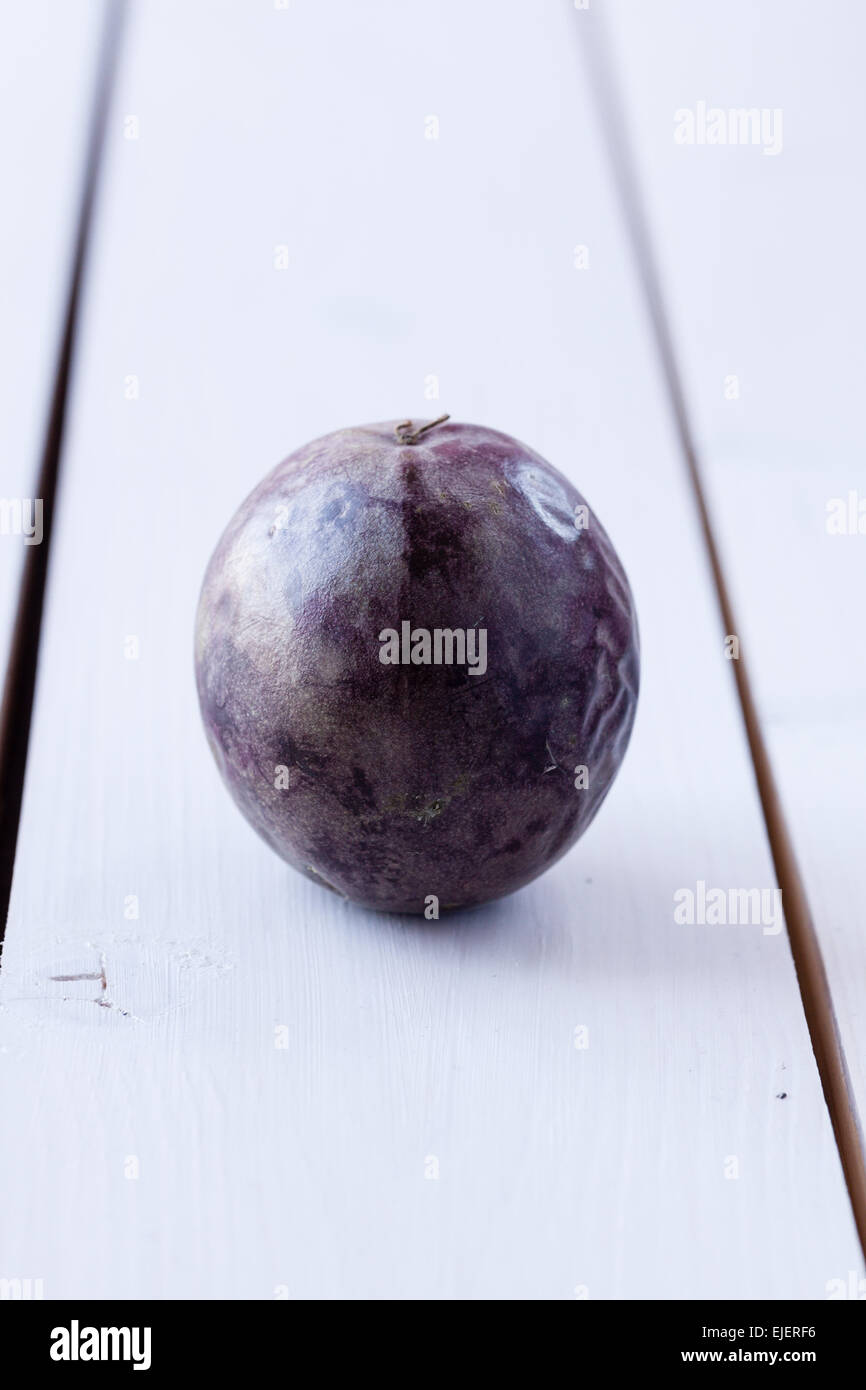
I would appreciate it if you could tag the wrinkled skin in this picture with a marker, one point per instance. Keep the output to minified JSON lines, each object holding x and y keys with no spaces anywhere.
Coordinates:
{"x":405,"y":781}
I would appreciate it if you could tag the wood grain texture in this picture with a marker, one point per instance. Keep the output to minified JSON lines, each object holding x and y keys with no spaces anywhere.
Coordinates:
{"x":254,"y":1090}
{"x":762,"y":260}
{"x":47,"y":54}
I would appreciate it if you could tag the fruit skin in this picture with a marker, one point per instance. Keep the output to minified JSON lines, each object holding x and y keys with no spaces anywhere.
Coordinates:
{"x":406,"y":781}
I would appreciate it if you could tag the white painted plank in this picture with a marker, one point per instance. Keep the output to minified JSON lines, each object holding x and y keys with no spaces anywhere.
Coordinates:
{"x":763,"y":262}
{"x":47,"y":60}
{"x":301,"y":1169}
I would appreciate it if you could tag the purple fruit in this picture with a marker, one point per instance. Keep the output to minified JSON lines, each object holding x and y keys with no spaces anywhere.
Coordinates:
{"x":328,"y":614}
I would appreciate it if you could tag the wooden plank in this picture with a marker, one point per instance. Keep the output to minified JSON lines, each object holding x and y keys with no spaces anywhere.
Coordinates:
{"x":259,"y":1111}
{"x":761,"y":255}
{"x":47,"y":60}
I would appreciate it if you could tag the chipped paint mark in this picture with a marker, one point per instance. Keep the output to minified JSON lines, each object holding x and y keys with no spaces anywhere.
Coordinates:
{"x":140,"y":981}
{"x":67,"y":979}
{"x":102,"y":1001}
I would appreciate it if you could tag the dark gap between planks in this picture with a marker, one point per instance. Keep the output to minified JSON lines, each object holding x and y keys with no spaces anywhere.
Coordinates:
{"x":805,"y":948}
{"x":17,"y":706}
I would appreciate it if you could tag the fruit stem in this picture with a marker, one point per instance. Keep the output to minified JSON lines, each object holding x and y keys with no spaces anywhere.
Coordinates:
{"x":407,"y":435}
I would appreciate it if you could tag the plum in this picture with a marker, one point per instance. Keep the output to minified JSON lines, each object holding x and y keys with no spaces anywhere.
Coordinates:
{"x":417,"y":662}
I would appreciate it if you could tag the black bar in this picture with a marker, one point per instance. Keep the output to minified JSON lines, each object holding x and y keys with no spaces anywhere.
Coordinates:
{"x":604,"y":1337}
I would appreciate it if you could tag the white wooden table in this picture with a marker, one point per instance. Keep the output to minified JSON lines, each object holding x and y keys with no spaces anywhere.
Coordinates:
{"x":314,"y":216}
